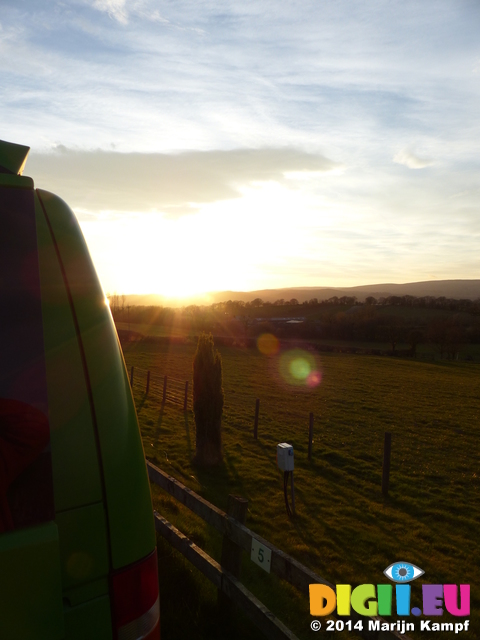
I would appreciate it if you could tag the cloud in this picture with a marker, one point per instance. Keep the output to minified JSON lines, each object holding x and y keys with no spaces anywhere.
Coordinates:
{"x":411,"y":160}
{"x":115,"y":9}
{"x":106,"y":180}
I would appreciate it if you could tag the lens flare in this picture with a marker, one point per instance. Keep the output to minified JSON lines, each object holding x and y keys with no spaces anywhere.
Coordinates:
{"x":298,"y":367}
{"x":314,"y":379}
{"x":268,"y":344}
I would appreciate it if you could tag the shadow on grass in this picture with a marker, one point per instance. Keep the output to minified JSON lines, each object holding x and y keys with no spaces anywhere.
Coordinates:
{"x":141,"y":403}
{"x":159,"y":422}
{"x":187,"y":433}
{"x":234,"y":477}
{"x":216,"y":481}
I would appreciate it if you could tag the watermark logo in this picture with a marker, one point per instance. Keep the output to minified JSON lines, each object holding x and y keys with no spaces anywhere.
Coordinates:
{"x":403,"y":572}
{"x":377,"y":600}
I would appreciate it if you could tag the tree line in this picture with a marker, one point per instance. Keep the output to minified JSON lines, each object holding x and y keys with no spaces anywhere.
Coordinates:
{"x":449,"y":323}
{"x":420,"y":302}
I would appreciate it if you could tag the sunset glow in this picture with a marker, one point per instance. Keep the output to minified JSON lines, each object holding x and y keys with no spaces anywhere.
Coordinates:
{"x":250,"y":148}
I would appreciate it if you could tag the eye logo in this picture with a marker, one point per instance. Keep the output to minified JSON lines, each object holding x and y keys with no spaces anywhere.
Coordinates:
{"x":402,"y":572}
{"x":376,"y":600}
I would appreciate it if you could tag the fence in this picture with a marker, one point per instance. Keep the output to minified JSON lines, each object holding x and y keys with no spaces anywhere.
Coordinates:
{"x":262,"y":552}
{"x":168,"y":389}
{"x":163,"y":388}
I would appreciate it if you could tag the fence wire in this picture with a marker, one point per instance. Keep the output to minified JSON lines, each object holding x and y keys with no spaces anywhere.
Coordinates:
{"x":243,"y":406}
{"x":161,"y":388}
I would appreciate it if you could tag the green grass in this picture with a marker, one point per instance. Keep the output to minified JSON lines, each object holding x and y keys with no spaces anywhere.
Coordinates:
{"x":344,"y":530}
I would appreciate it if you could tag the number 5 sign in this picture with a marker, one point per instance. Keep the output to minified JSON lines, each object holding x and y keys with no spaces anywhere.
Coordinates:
{"x":261,"y":555}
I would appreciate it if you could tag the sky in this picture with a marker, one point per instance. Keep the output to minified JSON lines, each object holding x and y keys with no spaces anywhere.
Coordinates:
{"x":238,"y":146}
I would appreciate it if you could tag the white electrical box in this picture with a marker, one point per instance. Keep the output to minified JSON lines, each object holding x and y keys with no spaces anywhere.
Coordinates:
{"x":285,"y":456}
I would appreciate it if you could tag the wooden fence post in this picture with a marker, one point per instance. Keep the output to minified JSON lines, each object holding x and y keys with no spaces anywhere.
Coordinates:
{"x":310,"y":437}
{"x":255,"y":426}
{"x":186,"y":396}
{"x":131,"y":377}
{"x":386,"y":462}
{"x":164,"y":390}
{"x":148,"y":382}
{"x":231,"y":558}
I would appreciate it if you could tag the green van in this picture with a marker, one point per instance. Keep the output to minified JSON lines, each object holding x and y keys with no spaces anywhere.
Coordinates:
{"x":77,"y":540}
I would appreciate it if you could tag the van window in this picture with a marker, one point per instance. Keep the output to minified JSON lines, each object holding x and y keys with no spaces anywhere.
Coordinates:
{"x":26,"y":488}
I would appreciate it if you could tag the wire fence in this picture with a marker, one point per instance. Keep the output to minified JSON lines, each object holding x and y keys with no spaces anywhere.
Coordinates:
{"x":162,"y":388}
{"x":179,"y":392}
{"x":248,"y":408}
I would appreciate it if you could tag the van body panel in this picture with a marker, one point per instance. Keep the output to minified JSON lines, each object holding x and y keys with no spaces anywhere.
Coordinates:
{"x":122,"y":457}
{"x":75,"y":504}
{"x":83,"y":545}
{"x":75,"y":460}
{"x":31,"y":605}
{"x":22,"y":182}
{"x":91,"y":620}
{"x":85,"y":592}
{"x":30,"y":574}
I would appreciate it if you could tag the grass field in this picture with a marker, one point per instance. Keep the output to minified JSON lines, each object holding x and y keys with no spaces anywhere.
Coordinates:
{"x":344,"y":530}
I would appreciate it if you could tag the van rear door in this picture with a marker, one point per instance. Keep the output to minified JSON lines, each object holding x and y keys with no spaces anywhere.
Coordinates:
{"x":30,"y":570}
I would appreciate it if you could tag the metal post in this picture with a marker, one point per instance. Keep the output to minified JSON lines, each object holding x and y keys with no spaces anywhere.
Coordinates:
{"x":186,"y":396}
{"x":386,"y":462}
{"x":148,"y":382}
{"x":310,"y":437}
{"x":293,"y":494}
{"x":255,"y":426}
{"x":164,"y":389}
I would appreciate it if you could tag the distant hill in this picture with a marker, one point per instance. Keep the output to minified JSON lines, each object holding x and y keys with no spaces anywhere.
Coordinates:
{"x":458,"y":289}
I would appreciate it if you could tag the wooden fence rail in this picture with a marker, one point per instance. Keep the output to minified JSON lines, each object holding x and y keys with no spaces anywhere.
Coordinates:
{"x":226,"y":582}
{"x":283,"y":565}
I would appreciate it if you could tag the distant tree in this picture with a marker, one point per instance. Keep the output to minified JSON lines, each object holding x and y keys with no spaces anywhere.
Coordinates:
{"x":409,"y":301}
{"x":393,"y":300}
{"x":192,"y":309}
{"x":279,"y":303}
{"x":370,"y":300}
{"x":365,"y":322}
{"x":437,"y":335}
{"x":293,"y":302}
{"x":414,"y":338}
{"x":208,"y":399}
{"x":113,"y":300}
{"x":455,"y":337}
{"x":258,"y":302}
{"x":393,"y":327}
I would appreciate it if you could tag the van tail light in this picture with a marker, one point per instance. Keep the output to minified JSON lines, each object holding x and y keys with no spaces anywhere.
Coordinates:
{"x":136,"y":605}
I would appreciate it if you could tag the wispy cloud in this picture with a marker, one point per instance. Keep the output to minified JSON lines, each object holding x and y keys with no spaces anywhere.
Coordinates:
{"x":411,"y":159}
{"x":115,"y":9}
